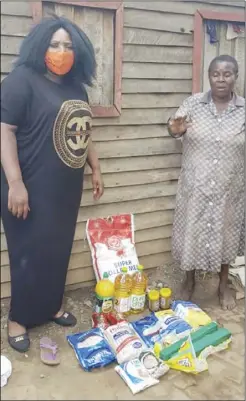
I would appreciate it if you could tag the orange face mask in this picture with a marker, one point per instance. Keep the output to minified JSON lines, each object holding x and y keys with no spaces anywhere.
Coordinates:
{"x":60,"y":63}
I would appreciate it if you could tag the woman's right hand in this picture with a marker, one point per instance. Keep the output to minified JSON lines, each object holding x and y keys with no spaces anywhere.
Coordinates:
{"x":178,"y":126}
{"x":18,"y":203}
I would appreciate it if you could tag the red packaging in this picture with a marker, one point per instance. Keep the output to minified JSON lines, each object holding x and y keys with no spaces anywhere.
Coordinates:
{"x":99,"y":320}
{"x":112,"y":245}
{"x":114,"y":318}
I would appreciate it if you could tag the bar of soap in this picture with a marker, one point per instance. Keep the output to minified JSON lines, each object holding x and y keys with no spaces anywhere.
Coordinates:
{"x":169,"y":351}
{"x":216,"y":338}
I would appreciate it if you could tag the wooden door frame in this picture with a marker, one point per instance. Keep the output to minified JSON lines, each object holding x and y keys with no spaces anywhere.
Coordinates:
{"x":200,"y":16}
{"x":113,"y":110}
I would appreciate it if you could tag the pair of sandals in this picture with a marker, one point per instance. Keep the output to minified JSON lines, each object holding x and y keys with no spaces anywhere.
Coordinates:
{"x":22,"y":343}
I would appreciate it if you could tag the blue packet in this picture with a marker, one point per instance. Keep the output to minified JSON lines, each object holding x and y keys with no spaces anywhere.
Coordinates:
{"x":91,"y":349}
{"x":148,"y":328}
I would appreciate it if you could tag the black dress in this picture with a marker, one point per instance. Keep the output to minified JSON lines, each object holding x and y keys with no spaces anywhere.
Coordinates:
{"x":54,"y":123}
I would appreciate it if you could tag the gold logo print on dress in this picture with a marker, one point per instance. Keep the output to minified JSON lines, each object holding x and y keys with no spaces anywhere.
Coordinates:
{"x":71,"y":134}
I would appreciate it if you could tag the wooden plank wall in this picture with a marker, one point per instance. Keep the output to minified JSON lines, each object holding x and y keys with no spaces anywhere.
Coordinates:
{"x":139,"y":161}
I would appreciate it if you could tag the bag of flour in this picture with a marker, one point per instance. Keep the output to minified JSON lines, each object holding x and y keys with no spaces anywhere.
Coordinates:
{"x":112,"y":245}
{"x":124,"y":342}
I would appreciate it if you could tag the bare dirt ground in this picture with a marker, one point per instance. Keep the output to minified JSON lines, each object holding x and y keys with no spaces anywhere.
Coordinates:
{"x":32,"y":380}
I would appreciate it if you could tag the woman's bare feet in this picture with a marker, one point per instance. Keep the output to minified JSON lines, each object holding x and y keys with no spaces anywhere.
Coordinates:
{"x":188,"y":286}
{"x":226,"y":298}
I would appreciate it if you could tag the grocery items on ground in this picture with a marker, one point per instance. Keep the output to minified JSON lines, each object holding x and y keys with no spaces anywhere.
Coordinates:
{"x":6,"y":370}
{"x":104,"y":295}
{"x":177,"y":335}
{"x":136,"y":376}
{"x":123,"y":287}
{"x":148,"y":328}
{"x":186,"y":360}
{"x":172,"y":327}
{"x":124,"y":341}
{"x":104,"y":320}
{"x":191,"y":313}
{"x":165,"y":298}
{"x":91,"y":349}
{"x":142,"y":372}
{"x":147,"y":348}
{"x":155,"y":366}
{"x":138,"y":291}
{"x":190,"y":353}
{"x":162,"y":328}
{"x":154,"y":300}
{"x":112,"y":245}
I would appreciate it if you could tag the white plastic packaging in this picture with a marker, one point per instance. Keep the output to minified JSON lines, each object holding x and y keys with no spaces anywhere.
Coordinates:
{"x":6,"y":370}
{"x":124,"y":341}
{"x":136,"y":376}
{"x":112,"y":245}
{"x":155,"y":367}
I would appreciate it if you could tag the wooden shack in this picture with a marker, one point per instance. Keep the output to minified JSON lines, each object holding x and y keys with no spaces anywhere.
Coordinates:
{"x":150,"y":57}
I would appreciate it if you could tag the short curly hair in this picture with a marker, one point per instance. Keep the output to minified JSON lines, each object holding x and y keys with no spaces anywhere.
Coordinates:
{"x":224,"y":58}
{"x":36,"y":43}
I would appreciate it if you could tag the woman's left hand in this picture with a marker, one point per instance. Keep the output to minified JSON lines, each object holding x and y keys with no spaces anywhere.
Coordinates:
{"x":97,"y":183}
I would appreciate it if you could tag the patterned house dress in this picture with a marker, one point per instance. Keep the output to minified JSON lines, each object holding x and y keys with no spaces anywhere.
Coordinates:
{"x":209,"y":217}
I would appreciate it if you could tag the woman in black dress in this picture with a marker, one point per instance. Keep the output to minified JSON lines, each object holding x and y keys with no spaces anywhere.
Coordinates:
{"x":45,"y":143}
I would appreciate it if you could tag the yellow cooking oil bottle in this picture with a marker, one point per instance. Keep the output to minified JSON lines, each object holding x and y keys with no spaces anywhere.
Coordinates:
{"x":122,"y":292}
{"x":139,"y":287}
{"x":104,"y":295}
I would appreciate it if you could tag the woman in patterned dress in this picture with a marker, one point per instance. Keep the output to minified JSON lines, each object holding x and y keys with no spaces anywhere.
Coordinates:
{"x":208,"y":231}
{"x":45,"y":143}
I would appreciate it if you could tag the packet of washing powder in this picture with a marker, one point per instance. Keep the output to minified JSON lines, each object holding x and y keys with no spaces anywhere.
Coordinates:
{"x":124,"y":341}
{"x":173,"y":328}
{"x":153,"y":364}
{"x":136,"y":376}
{"x":91,"y":349}
{"x":148,"y":328}
{"x":185,"y":360}
{"x":191,"y":313}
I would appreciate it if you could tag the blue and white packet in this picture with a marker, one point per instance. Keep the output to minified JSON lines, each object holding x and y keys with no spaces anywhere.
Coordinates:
{"x":91,"y":349}
{"x":149,"y":329}
{"x":135,"y":375}
{"x":191,"y":313}
{"x":173,"y":328}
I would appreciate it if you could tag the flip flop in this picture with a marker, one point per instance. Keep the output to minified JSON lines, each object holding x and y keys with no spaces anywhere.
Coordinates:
{"x":49,"y":351}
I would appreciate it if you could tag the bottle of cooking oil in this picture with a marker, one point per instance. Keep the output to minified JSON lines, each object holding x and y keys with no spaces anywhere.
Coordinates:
{"x":122,"y":292}
{"x":139,"y":287}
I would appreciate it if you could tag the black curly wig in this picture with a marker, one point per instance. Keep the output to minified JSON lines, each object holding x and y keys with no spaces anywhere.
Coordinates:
{"x":36,"y":43}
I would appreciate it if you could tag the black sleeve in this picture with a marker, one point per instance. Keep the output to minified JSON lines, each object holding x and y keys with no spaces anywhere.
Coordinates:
{"x":15,"y":95}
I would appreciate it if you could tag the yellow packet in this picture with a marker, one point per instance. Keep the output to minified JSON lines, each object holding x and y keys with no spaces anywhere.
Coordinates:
{"x":191,"y":313}
{"x":162,"y":313}
{"x":186,"y":361}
